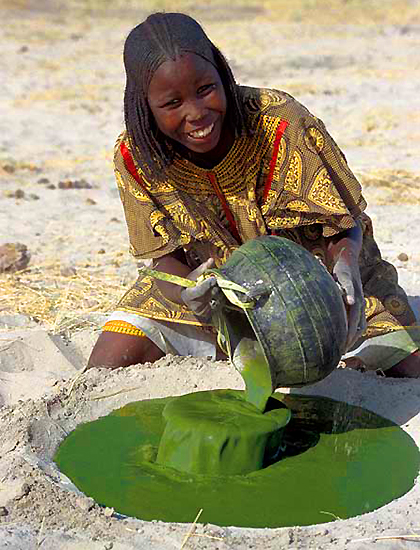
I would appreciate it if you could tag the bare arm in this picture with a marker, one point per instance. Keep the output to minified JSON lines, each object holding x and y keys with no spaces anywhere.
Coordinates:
{"x":171,"y":263}
{"x":343,"y":251}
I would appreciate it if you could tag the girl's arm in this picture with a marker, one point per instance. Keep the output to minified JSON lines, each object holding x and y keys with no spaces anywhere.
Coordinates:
{"x":171,"y":263}
{"x":343,"y":251}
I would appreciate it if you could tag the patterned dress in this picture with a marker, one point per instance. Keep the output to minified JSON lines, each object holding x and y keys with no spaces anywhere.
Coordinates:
{"x":284,"y":176}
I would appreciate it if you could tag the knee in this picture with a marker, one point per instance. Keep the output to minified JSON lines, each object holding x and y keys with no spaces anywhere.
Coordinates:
{"x":113,"y":350}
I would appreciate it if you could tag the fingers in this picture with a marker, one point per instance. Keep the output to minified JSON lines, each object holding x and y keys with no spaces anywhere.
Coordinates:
{"x":345,"y":283}
{"x":197,"y":272}
{"x":200,"y":297}
{"x":356,"y":323}
{"x":349,"y":297}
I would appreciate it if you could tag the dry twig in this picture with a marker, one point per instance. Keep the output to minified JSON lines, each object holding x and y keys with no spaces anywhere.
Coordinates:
{"x":191,"y":529}
{"x":98,"y":397}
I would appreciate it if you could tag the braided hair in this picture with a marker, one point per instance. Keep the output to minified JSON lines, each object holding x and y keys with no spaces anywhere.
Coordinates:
{"x":162,"y":37}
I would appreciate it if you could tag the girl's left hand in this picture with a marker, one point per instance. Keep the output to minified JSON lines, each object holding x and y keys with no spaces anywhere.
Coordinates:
{"x":347,"y":275}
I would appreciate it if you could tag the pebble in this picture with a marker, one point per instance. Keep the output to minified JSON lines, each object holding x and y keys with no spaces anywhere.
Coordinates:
{"x":403,"y":257}
{"x":90,"y":201}
{"x":19,"y":194}
{"x":43,"y":181}
{"x":9,"y":168}
{"x":3,"y":511}
{"x":85,"y":504}
{"x":108,"y":512}
{"x":74,"y":184}
{"x":68,"y":271}
{"x":13,"y":257}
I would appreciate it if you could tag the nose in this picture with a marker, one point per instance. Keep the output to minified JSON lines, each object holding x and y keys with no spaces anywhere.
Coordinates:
{"x":195,"y":111}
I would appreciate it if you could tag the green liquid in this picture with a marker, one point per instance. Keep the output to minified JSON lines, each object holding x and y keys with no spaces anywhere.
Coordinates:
{"x":252,"y":365}
{"x":334,"y":460}
{"x":219,"y":433}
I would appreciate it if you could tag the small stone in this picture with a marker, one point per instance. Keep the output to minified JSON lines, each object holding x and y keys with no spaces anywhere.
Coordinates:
{"x":90,"y":201}
{"x":51,"y":186}
{"x":23,"y":49}
{"x":66,"y":184}
{"x":34,"y":197}
{"x":403,"y":257}
{"x":9,"y":168}
{"x":68,"y":271}
{"x":3,"y":511}
{"x":82,"y":184}
{"x":101,"y":251}
{"x":85,"y":504}
{"x":19,"y":194}
{"x":13,"y":257}
{"x":74,"y":184}
{"x":115,"y":220}
{"x":108,"y":512}
{"x":43,"y":181}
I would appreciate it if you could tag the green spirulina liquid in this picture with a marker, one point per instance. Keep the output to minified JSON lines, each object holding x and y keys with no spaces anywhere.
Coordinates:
{"x":332,"y":461}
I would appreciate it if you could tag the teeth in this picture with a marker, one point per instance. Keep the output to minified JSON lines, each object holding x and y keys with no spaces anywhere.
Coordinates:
{"x":202,"y":133}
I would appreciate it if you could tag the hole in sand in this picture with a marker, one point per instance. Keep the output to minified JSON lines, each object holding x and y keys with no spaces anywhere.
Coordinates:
{"x":333,"y":461}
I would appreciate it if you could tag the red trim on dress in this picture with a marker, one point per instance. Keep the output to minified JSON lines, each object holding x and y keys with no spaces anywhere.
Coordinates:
{"x":129,"y":163}
{"x":283,"y":124}
{"x":225,"y":206}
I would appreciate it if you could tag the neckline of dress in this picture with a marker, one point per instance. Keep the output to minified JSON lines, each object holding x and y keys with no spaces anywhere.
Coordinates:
{"x":181,"y":162}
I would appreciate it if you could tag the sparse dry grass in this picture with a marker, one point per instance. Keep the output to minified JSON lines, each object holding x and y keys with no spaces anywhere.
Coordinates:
{"x":86,"y":92}
{"x":391,"y":187}
{"x":62,"y":303}
{"x":324,"y":12}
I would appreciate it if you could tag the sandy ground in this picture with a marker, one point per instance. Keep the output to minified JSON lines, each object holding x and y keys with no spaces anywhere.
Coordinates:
{"x":61,"y":96}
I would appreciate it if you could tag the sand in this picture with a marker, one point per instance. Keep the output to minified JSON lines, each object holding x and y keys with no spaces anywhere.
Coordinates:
{"x":61,"y":95}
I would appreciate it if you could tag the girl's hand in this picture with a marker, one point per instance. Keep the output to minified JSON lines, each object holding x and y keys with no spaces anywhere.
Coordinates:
{"x":347,"y":275}
{"x":198,"y":298}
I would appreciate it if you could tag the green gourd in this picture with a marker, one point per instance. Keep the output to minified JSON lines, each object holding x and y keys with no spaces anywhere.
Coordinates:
{"x":290,"y":304}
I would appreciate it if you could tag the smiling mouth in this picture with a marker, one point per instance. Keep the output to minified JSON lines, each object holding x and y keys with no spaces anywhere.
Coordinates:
{"x":200,"y":134}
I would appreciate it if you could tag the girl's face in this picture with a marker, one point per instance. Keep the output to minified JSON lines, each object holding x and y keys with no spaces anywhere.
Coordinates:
{"x":188,"y":102}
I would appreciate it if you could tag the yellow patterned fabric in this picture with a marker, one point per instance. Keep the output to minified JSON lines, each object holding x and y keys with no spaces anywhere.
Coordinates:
{"x":122,"y":327}
{"x":286,"y":177}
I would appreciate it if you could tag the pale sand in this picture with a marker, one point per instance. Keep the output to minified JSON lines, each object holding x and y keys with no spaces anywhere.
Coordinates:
{"x":62,"y":87}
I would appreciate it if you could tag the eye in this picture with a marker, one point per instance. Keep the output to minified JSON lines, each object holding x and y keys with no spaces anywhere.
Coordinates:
{"x":206,"y":89}
{"x":171,"y":103}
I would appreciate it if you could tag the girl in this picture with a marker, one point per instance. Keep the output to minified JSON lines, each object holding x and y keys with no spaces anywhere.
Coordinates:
{"x":204,"y":165}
